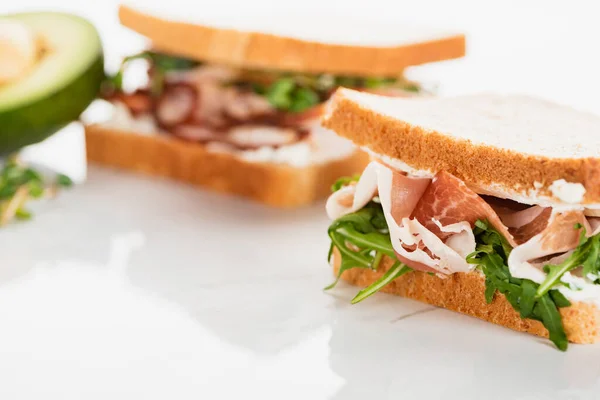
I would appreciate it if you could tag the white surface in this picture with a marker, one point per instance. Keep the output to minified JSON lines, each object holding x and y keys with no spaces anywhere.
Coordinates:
{"x":127,"y":288}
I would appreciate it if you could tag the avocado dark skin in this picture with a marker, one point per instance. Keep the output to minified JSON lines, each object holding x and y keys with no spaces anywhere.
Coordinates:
{"x":32,"y":123}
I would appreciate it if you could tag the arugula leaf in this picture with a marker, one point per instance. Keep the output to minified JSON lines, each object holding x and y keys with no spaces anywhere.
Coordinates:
{"x":491,"y":255}
{"x":397,"y":270}
{"x":280,"y":92}
{"x":547,"y":311}
{"x":361,"y":238}
{"x":288,"y":95}
{"x":412,"y":87}
{"x":585,"y":254}
{"x":559,"y":299}
{"x":376,"y":82}
{"x":293,"y":92}
{"x":344,"y":181}
{"x":490,"y":290}
{"x":527,"y":298}
{"x":167,"y":62}
{"x":303,"y":99}
{"x":64,"y":181}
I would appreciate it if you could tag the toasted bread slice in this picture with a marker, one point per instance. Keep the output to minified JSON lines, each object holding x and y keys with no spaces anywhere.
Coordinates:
{"x":464,"y":292}
{"x":508,"y":146}
{"x":278,"y":49}
{"x":273,"y":184}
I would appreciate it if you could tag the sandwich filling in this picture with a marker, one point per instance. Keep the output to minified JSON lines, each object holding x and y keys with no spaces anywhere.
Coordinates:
{"x":539,"y":257}
{"x":233,"y":109}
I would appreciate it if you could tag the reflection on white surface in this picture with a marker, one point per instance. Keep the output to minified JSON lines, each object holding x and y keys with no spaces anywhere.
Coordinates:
{"x":64,"y":152}
{"x":84,"y":330}
{"x":107,"y":294}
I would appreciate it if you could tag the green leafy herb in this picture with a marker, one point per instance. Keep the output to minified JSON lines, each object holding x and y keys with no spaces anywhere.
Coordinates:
{"x":344,"y":181}
{"x":359,"y":237}
{"x":547,"y":311}
{"x":303,"y":99}
{"x":412,"y":87}
{"x":298,"y":92}
{"x":376,"y":83}
{"x":18,"y":184}
{"x":397,"y":270}
{"x":288,"y":94}
{"x":64,"y":181}
{"x":491,"y":255}
{"x":585,"y":254}
{"x":280,"y":93}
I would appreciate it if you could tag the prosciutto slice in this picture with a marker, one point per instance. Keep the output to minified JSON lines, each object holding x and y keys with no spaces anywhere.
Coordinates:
{"x":559,"y":236}
{"x":449,"y":201}
{"x":176,"y":105}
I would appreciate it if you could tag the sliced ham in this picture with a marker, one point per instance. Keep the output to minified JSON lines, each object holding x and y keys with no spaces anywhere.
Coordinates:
{"x":245,"y":137}
{"x":406,"y":193}
{"x":558,"y":236}
{"x":176,"y":105}
{"x":196,"y":133}
{"x":449,"y":201}
{"x":244,"y":106}
{"x":523,"y":233}
{"x":138,"y":102}
{"x":255,"y":136}
{"x":209,"y":111}
{"x":518,"y":219}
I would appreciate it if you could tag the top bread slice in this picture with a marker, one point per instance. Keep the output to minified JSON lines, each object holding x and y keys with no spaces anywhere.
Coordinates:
{"x":506,"y":145}
{"x":281,"y":47}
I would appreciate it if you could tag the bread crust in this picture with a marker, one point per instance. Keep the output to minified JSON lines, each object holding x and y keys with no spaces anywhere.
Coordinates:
{"x":267,"y":51}
{"x":464,"y":293}
{"x":479,"y":166}
{"x":276,"y":185}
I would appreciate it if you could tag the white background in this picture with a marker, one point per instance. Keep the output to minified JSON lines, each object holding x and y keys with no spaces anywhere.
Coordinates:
{"x":548,"y":48}
{"x":130,"y":288}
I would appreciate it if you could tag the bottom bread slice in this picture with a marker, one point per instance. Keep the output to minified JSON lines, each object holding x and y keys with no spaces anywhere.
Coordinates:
{"x":273,"y":184}
{"x":464,"y":292}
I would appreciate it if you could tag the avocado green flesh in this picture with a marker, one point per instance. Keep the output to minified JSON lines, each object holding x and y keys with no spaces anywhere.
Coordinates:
{"x":60,"y":86}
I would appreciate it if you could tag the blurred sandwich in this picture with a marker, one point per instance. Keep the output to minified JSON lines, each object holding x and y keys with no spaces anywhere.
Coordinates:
{"x":238,"y":111}
{"x":485,"y":204}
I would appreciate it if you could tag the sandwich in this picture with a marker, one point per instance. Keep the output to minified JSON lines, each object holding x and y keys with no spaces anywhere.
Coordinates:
{"x":238,"y":111}
{"x":484,"y":204}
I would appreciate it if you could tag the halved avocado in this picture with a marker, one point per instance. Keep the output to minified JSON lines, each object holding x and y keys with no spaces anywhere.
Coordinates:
{"x":62,"y":84}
